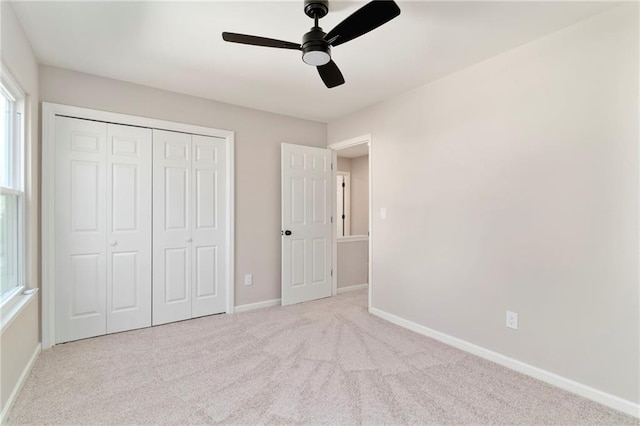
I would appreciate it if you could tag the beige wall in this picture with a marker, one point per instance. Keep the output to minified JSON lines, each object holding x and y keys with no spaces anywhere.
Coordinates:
{"x":20,"y":339}
{"x":360,"y":195}
{"x":353,"y":263}
{"x":258,"y":136}
{"x":344,"y":164}
{"x":513,"y":185}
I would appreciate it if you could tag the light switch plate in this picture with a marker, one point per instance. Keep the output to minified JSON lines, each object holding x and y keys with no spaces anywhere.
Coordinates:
{"x":512,"y":320}
{"x":248,"y":279}
{"x":383,"y":212}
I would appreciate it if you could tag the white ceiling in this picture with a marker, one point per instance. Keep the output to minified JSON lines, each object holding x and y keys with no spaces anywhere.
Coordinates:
{"x":178,"y":46}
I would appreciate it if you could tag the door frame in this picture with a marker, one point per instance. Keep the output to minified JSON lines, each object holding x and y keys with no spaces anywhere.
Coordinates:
{"x":335,"y":147}
{"x":49,"y":113}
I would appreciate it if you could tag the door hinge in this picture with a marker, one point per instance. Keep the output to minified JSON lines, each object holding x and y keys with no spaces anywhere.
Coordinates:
{"x":331,"y":166}
{"x":331,"y":219}
{"x":343,"y":185}
{"x":332,"y":272}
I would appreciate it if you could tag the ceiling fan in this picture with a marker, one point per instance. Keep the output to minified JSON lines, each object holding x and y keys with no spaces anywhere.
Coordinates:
{"x":316,"y":44}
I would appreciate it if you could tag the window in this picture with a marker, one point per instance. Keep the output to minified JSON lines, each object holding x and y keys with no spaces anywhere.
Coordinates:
{"x":11,"y":189}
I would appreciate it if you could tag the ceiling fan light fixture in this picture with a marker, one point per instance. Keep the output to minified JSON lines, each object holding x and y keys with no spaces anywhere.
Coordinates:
{"x":316,"y":57}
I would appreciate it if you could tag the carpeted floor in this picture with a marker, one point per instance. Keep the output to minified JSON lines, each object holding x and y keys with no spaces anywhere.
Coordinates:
{"x":322,"y":362}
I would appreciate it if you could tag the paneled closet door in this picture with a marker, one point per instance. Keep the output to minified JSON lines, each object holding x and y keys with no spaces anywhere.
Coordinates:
{"x":172,"y":216}
{"x":209,"y":225}
{"x":128,"y":227}
{"x":80,"y":229}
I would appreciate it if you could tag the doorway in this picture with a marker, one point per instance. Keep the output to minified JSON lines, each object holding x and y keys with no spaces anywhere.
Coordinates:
{"x":352,"y":212}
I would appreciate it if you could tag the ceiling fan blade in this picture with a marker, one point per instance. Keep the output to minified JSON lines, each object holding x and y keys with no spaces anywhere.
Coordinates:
{"x":330,"y":74}
{"x":367,"y":18}
{"x":259,"y":41}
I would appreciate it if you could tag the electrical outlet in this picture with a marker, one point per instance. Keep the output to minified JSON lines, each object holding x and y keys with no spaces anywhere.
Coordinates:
{"x":248,"y":279}
{"x":512,"y":320}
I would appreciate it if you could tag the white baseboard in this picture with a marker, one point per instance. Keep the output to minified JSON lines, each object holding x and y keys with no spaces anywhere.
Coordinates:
{"x":612,"y":401}
{"x":18,"y":386}
{"x":352,"y":288}
{"x":258,"y":305}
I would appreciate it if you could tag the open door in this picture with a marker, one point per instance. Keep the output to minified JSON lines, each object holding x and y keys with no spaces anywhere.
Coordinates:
{"x":307,"y":196}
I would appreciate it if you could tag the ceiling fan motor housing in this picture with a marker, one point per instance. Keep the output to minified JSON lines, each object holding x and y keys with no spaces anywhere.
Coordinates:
{"x":316,"y":8}
{"x":315,"y":49}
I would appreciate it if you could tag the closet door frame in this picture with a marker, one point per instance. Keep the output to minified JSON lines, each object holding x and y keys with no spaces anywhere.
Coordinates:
{"x":49,"y":113}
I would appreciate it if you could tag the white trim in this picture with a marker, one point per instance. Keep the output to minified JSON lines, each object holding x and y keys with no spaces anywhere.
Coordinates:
{"x":231,"y":277}
{"x":359,"y":140}
{"x":13,"y":305}
{"x":9,"y":191}
{"x":352,"y":288}
{"x":9,"y":80}
{"x":370,"y":259}
{"x":18,"y":386}
{"x":258,"y":305}
{"x":133,"y":120}
{"x":49,"y":112}
{"x":353,"y":239}
{"x":18,"y":140}
{"x":334,"y":227}
{"x":612,"y":401}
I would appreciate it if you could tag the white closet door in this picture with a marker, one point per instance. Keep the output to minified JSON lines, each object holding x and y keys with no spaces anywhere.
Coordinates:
{"x":172,"y":216}
{"x":129,"y":228}
{"x":209,"y":225}
{"x":80,"y":229}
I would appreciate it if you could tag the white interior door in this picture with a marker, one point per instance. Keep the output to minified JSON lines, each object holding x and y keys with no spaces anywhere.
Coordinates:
{"x":80,"y":229}
{"x":307,"y":194}
{"x":172,"y":216}
{"x":208,"y":286}
{"x":129,"y":228}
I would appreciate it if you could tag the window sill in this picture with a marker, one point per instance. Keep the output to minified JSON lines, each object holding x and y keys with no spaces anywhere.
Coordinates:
{"x":12,"y":307}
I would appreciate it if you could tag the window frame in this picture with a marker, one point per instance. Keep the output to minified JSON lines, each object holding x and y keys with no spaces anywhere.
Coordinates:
{"x":12,"y":90}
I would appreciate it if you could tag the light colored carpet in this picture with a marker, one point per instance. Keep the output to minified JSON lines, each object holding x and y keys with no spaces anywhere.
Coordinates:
{"x":323,"y":362}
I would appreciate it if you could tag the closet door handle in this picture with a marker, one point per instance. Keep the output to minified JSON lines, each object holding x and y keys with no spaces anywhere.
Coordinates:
{"x":188,"y":240}
{"x":114,"y":242}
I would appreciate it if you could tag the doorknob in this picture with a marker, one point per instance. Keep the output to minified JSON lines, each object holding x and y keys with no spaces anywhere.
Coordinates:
{"x":188,"y":240}
{"x":114,"y":242}
{"x":287,"y":232}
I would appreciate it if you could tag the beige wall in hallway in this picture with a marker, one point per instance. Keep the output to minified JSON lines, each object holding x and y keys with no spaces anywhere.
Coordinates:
{"x":353,"y":263}
{"x":513,"y":185}
{"x":20,"y":339}
{"x":258,"y":136}
{"x":344,"y":164}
